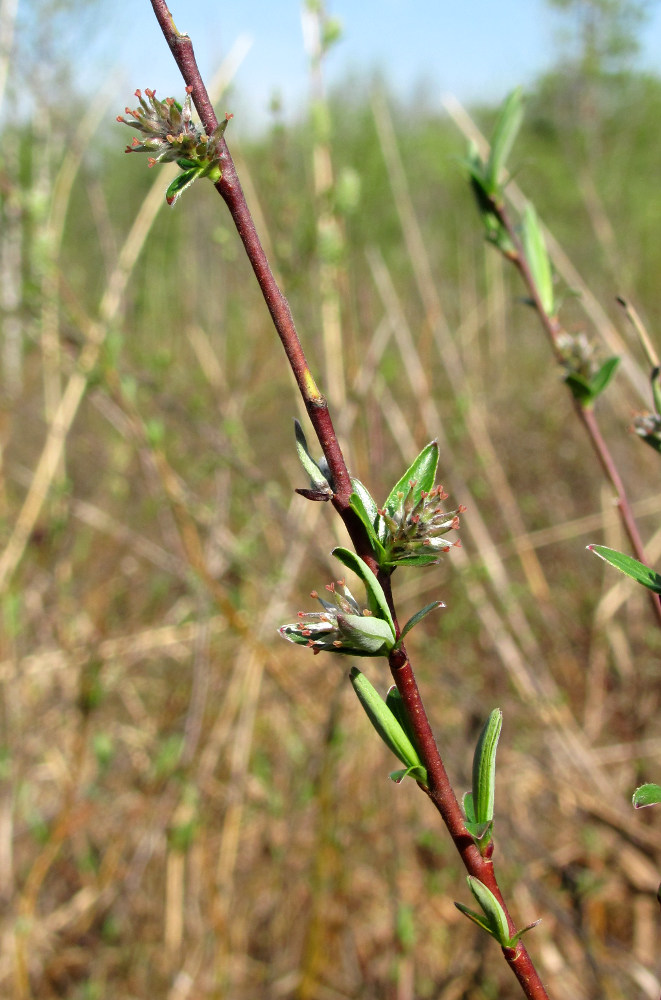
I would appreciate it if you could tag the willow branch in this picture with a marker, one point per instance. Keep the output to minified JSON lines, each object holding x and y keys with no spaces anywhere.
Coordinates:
{"x":439,"y":789}
{"x":585,"y":414}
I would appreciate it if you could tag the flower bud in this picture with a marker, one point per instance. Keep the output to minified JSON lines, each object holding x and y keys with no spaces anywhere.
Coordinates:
{"x":341,"y":627}
{"x":577,"y":354}
{"x":168,"y":134}
{"x":648,"y":426}
{"x":417,"y":524}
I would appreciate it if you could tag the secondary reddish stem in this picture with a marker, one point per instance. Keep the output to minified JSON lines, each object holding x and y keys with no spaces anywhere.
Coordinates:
{"x":585,"y":415}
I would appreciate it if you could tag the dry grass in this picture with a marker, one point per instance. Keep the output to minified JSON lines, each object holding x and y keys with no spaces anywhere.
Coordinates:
{"x":189,"y":808}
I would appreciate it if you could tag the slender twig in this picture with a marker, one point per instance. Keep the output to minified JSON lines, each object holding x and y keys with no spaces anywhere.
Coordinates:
{"x":229,"y":187}
{"x":643,"y":336}
{"x":585,"y":414}
{"x":439,"y":789}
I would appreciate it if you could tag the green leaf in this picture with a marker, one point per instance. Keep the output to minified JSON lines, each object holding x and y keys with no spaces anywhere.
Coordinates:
{"x":422,"y":471}
{"x":331,"y":32}
{"x":368,"y":503}
{"x":534,"y":248}
{"x":484,"y":768}
{"x":386,"y":725}
{"x":630,"y":566}
{"x":656,"y":388}
{"x":212,"y":171}
{"x":298,"y":639}
{"x":364,"y":506}
{"x":180,"y":183}
{"x":496,"y":921}
{"x":481,"y":834}
{"x":368,"y":635}
{"x":395,"y":703}
{"x":581,"y":388}
{"x":417,"y":772}
{"x":477,"y":918}
{"x":505,"y":132}
{"x":421,"y":559}
{"x":495,"y":231}
{"x":524,"y":930}
{"x":317,"y":479}
{"x":602,"y":377}
{"x":417,"y":618}
{"x":220,"y":130}
{"x":405,"y":926}
{"x":474,"y":164}
{"x":653,"y":441}
{"x":646,"y":795}
{"x":586,"y":390}
{"x":376,"y":599}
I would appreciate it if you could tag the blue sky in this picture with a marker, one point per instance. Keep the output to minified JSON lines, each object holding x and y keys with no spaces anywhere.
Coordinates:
{"x":476,"y":49}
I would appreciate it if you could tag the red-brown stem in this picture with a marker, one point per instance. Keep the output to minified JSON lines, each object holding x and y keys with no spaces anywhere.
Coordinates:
{"x":441,"y":793}
{"x":585,"y":414}
{"x":230,"y":189}
{"x":440,"y":790}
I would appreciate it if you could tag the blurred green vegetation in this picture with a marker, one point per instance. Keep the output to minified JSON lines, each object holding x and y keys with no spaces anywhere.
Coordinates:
{"x":190,"y":808}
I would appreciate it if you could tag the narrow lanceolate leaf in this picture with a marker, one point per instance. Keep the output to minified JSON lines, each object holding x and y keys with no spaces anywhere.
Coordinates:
{"x":357,"y":506}
{"x":524,"y":930}
{"x":364,"y":506}
{"x":477,"y":918}
{"x":495,"y":915}
{"x":469,"y":812}
{"x":420,"y":559}
{"x":495,"y":232}
{"x":586,"y":390}
{"x":422,"y":472}
{"x":646,"y":795}
{"x":417,"y":618}
{"x":317,"y":479}
{"x":387,"y":726}
{"x":580,"y":387}
{"x":395,"y":703}
{"x":417,"y":772}
{"x":376,"y":598}
{"x":484,"y":768}
{"x":504,"y":135}
{"x":180,"y":184}
{"x":603,"y":376}
{"x":627,"y":564}
{"x":474,"y":165}
{"x":656,"y":388}
{"x":366,"y":635}
{"x":534,"y":247}
{"x":368,"y":502}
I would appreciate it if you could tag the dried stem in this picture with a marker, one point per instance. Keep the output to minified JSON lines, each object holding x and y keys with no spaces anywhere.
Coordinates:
{"x":440,"y":790}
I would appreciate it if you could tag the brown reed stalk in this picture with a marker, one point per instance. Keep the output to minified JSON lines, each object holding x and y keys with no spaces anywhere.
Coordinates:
{"x":440,"y":789}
